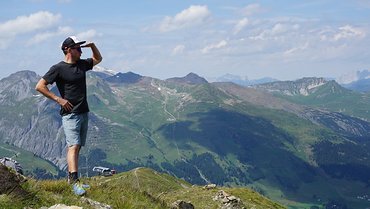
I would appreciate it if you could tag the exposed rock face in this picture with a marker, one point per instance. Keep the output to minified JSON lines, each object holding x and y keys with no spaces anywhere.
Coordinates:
{"x":340,"y":123}
{"x":228,"y":201}
{"x":180,"y":204}
{"x":304,"y":86}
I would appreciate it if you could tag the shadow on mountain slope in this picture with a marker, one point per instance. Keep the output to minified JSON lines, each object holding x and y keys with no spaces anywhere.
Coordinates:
{"x":255,"y":142}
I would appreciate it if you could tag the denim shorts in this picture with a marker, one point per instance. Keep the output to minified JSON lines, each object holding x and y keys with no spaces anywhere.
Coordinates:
{"x":75,"y":128}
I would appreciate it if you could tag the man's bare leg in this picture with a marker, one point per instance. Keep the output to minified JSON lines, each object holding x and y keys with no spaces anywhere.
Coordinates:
{"x":72,"y":159}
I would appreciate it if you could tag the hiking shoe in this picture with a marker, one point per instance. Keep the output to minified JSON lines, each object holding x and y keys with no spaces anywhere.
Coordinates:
{"x":79,"y":189}
{"x":85,"y":186}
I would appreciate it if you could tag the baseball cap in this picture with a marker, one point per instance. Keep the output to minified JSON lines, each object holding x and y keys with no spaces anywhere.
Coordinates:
{"x":70,"y":42}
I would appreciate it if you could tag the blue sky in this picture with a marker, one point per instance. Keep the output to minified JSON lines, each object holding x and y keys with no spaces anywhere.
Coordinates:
{"x":285,"y":39}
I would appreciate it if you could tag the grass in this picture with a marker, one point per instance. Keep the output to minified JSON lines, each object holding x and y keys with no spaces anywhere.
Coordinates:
{"x":138,"y":188}
{"x":27,"y":159}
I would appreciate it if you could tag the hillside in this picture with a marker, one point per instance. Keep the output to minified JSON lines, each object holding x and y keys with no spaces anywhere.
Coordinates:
{"x":32,"y":164}
{"x":138,"y":188}
{"x":203,"y":133}
{"x":316,"y":92}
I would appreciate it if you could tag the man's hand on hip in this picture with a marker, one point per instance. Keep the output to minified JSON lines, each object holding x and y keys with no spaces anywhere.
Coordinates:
{"x":66,"y":105}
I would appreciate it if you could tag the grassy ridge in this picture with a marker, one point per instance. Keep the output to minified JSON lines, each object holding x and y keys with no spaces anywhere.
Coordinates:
{"x":138,"y":188}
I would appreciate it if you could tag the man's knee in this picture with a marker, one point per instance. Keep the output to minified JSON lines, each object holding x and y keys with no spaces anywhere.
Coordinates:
{"x":74,"y":148}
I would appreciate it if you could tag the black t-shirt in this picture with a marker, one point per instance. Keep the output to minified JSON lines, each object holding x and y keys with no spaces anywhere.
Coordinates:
{"x":71,"y":83}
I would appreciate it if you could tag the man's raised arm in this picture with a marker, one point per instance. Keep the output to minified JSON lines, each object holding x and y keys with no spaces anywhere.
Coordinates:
{"x":96,"y":56}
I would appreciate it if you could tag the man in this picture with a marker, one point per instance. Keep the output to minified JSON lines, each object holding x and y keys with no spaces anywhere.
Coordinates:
{"x":70,"y":78}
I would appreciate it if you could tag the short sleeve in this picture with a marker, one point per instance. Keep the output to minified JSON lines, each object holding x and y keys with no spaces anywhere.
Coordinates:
{"x":51,"y":76}
{"x":90,"y":63}
{"x":86,"y":64}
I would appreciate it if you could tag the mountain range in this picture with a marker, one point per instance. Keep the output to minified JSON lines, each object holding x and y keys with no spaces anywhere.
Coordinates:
{"x":242,"y":81}
{"x":357,"y":80}
{"x":302,"y":143}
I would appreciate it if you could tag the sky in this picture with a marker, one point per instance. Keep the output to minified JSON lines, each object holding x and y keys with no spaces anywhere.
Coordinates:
{"x":285,"y":40}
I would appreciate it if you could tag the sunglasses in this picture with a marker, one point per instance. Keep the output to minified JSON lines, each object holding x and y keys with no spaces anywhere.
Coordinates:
{"x":77,"y":48}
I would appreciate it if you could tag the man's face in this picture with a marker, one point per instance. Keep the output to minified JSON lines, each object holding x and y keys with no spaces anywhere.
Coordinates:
{"x":76,"y":52}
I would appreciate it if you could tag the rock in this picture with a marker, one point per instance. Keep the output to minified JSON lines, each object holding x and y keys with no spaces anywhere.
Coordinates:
{"x":95,"y":204}
{"x":10,"y":183}
{"x":209,"y":186}
{"x":180,"y":204}
{"x":228,"y":201}
{"x":62,"y":206}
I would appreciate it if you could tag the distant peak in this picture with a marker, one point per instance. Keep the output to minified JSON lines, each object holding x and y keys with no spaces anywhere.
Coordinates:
{"x":104,"y":70}
{"x":129,"y":77}
{"x":190,"y":78}
{"x":303,"y":86}
{"x":21,"y":75}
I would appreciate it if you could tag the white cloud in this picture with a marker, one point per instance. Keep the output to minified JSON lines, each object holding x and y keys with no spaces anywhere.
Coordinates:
{"x":25,"y":24}
{"x":219,"y":45}
{"x":179,"y":49}
{"x":278,"y":30}
{"x":240,"y":25}
{"x":348,"y":31}
{"x":342,"y":33}
{"x":296,"y":49}
{"x":194,"y":15}
{"x":87,"y":35}
{"x":47,"y":35}
{"x":251,"y":9}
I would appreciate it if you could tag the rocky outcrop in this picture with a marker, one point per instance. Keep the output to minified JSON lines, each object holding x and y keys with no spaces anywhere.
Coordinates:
{"x":10,"y":183}
{"x":228,"y":201}
{"x":209,"y":186}
{"x":345,"y":125}
{"x":95,"y":204}
{"x":61,"y":206}
{"x":304,"y":86}
{"x":180,"y":204}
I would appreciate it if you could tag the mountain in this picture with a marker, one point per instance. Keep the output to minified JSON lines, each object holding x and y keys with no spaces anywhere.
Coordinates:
{"x":243,"y":81}
{"x":138,"y":188}
{"x":190,"y":78}
{"x":318,"y":93}
{"x":128,"y":77}
{"x":358,"y":80}
{"x":304,"y":86}
{"x":103,"y":72}
{"x":293,"y":148}
{"x":362,"y":85}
